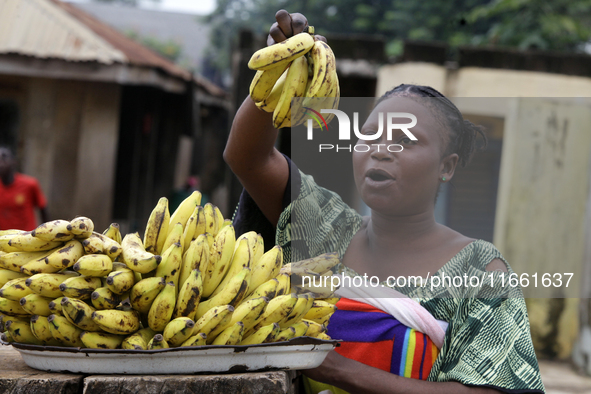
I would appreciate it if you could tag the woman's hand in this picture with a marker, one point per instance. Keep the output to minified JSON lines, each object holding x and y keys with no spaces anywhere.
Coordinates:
{"x":288,"y":25}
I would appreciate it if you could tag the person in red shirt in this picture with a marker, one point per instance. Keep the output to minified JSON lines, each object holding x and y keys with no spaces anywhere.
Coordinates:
{"x":19,"y":196}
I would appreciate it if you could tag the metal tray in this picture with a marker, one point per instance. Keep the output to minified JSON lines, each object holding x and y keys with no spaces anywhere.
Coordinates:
{"x":297,"y":353}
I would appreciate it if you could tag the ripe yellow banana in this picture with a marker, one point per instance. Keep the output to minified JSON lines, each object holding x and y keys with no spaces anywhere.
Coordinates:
{"x":319,"y":310}
{"x":266,"y":267}
{"x":184,"y":210}
{"x":104,"y":298}
{"x":40,"y":328}
{"x":196,"y":340}
{"x":270,"y":102}
{"x":175,"y":236}
{"x":12,"y":308}
{"x":158,"y":342}
{"x":162,"y":308}
{"x":81,"y":227}
{"x":196,"y":257}
{"x":267,"y":289}
{"x":178,"y":331}
{"x":285,"y":334}
{"x":21,"y":332}
{"x":284,"y":286}
{"x":278,"y":309}
{"x":170,"y":266}
{"x":38,"y":266}
{"x":97,"y":265}
{"x":219,"y":315}
{"x":113,"y":232}
{"x":66,"y":256}
{"x":263,"y":82}
{"x":319,"y":264}
{"x":281,"y":53}
{"x":189,"y":296}
{"x":80,"y":287}
{"x":120,"y":280}
{"x":211,"y":222}
{"x":230,"y":336}
{"x":324,"y":336}
{"x":138,"y":340}
{"x":299,"y":310}
{"x":13,"y":261}
{"x":200,"y":225}
{"x":36,"y":304}
{"x":314,"y":329}
{"x":301,"y":328}
{"x":64,"y":332}
{"x":25,"y":242}
{"x":117,"y":322}
{"x":15,"y":289}
{"x":79,"y":313}
{"x":56,"y":230}
{"x":324,"y":65}
{"x":99,"y":243}
{"x":56,"y":306}
{"x":145,"y":292}
{"x":248,"y":312}
{"x":219,"y":260}
{"x":8,"y":275}
{"x":241,"y":259}
{"x":294,"y":87}
{"x":136,"y":257}
{"x":48,"y":285}
{"x":157,"y":227}
{"x":264,"y":334}
{"x":190,"y":227}
{"x":232,"y":294}
{"x":101,"y":340}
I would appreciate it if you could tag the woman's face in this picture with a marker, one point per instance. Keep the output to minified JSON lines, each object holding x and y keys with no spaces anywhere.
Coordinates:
{"x":405,"y":182}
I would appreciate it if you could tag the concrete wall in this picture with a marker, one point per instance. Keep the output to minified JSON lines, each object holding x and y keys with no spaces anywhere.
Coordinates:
{"x":67,"y":139}
{"x":543,"y":193}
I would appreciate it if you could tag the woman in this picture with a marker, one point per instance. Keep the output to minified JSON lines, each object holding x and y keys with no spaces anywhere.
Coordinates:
{"x":487,"y":346}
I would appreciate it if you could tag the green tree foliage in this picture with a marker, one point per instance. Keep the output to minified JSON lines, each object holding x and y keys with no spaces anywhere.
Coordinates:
{"x":523,"y":24}
{"x":563,"y":25}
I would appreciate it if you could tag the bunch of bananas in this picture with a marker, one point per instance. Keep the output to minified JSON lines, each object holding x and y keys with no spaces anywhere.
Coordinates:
{"x":303,"y":67}
{"x":188,"y":282}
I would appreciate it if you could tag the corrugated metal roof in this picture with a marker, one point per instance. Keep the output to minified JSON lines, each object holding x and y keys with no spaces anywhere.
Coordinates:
{"x":39,"y":28}
{"x":53,"y":29}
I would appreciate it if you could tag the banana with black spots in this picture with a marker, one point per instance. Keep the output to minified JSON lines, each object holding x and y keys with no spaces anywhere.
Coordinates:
{"x":104,"y":298}
{"x":64,"y":332}
{"x":15,"y":289}
{"x":158,"y":342}
{"x":219,"y":260}
{"x":162,"y":308}
{"x":178,"y":331}
{"x":157,"y":227}
{"x":21,"y":332}
{"x":66,"y":256}
{"x":231,"y":335}
{"x":144,"y":292}
{"x":36,"y":304}
{"x":48,"y":285}
{"x":101,"y":340}
{"x":82,"y":227}
{"x":136,"y":257}
{"x":97,"y":265}
{"x":264,"y":334}
{"x":79,"y":313}
{"x":117,"y":322}
{"x":138,"y":340}
{"x":281,"y":53}
{"x":189,"y":296}
{"x":55,"y":230}
{"x":232,"y":294}
{"x":80,"y":287}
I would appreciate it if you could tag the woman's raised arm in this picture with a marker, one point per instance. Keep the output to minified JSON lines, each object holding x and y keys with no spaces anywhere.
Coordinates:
{"x":250,"y":150}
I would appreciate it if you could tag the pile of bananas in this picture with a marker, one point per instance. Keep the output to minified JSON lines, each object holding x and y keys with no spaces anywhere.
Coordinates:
{"x":189,"y":282}
{"x":301,"y":66}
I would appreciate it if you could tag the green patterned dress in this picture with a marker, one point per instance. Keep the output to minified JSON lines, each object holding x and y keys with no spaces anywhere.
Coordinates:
{"x":488,"y":340}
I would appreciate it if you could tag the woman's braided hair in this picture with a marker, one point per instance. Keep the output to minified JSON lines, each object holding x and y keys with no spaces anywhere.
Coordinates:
{"x":462,"y":132}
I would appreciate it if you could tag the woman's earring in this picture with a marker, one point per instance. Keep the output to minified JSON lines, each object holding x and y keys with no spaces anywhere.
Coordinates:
{"x":443,"y":179}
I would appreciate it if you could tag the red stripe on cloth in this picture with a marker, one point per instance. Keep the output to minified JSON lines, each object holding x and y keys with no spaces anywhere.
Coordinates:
{"x":428,"y":363}
{"x":376,"y":354}
{"x":347,"y":304}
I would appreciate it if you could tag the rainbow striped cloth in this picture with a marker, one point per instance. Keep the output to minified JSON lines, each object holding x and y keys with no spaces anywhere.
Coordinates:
{"x":374,"y":337}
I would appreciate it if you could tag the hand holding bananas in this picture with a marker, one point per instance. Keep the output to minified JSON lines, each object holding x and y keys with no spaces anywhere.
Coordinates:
{"x":296,"y":64}
{"x":189,"y":281}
